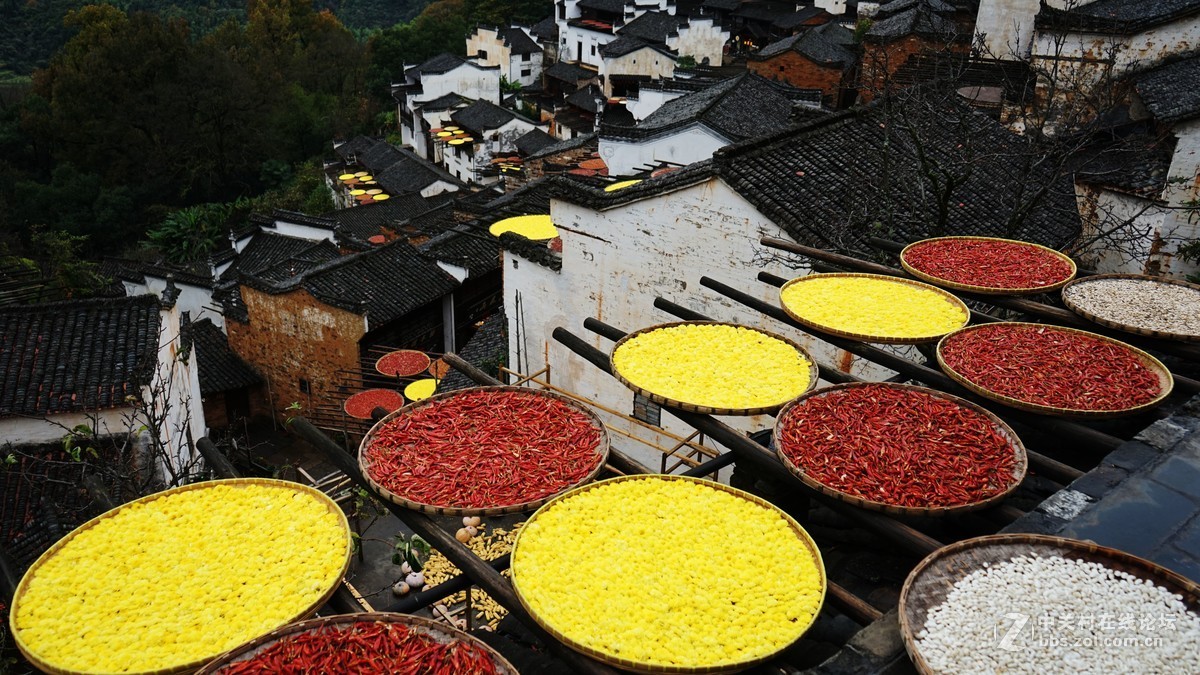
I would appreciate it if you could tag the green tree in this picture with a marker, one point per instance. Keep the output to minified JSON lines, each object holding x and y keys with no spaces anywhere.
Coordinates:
{"x":192,"y":233}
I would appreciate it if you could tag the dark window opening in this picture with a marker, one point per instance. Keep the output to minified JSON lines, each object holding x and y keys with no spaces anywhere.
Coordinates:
{"x":525,"y":72}
{"x":304,"y":386}
{"x":482,"y":53}
{"x":646,"y":410}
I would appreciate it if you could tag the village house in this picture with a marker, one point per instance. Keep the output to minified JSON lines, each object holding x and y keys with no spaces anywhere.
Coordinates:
{"x":821,"y":184}
{"x":396,"y":171}
{"x":111,"y":365}
{"x":494,"y":131}
{"x":627,"y":61}
{"x":823,"y":57}
{"x":561,"y":156}
{"x":440,"y":76}
{"x":690,"y":128}
{"x":755,"y":24}
{"x":699,"y":36}
{"x":231,"y":390}
{"x":901,"y":30}
{"x":193,"y":284}
{"x":512,"y":49}
{"x":545,"y":32}
{"x":584,"y":26}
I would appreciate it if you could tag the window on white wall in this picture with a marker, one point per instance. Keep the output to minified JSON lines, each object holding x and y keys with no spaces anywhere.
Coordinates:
{"x":525,"y":72}
{"x":593,"y":50}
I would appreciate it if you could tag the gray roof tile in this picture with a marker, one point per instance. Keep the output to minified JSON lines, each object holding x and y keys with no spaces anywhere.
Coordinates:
{"x":1116,"y":16}
{"x":1172,"y":91}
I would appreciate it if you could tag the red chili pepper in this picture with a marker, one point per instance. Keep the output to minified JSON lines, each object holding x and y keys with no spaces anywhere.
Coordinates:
{"x":404,"y":363}
{"x":1051,"y":367}
{"x":365,"y":648}
{"x":902,"y":447}
{"x":362,"y":404}
{"x":484,"y":449}
{"x":991,"y":264}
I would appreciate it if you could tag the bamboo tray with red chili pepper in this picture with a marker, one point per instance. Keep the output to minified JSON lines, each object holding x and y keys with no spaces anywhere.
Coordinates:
{"x":1054,"y":370}
{"x":988,"y":265}
{"x":483,"y":451}
{"x":402,"y":363}
{"x":900,"y":449}
{"x":368,"y":643}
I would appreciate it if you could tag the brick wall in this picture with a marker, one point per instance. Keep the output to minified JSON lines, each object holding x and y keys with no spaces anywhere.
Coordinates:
{"x":799,"y":71}
{"x":881,"y":60}
{"x":292,"y":336}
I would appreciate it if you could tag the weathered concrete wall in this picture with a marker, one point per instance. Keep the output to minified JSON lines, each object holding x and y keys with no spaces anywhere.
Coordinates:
{"x":616,"y":262}
{"x":292,"y":336}
{"x":1005,"y":27}
{"x":687,"y":145}
{"x":646,"y":61}
{"x":1102,"y":211}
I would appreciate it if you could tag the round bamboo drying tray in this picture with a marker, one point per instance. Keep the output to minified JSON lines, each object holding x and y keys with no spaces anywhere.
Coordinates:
{"x":48,"y":667}
{"x":433,"y":629}
{"x":988,"y":290}
{"x":1165,"y":381}
{"x":813,"y":374}
{"x":932,"y":579}
{"x":1018,"y":448}
{"x":637,"y":667}
{"x":423,"y":356}
{"x":1129,"y":328}
{"x":602,"y":449}
{"x":346,"y":403}
{"x":876,"y":339}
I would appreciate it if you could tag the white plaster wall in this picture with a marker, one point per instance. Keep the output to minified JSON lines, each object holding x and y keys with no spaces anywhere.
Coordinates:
{"x":459,"y":163}
{"x":1182,"y":224}
{"x":465,"y":80}
{"x":36,"y":430}
{"x":195,"y":300}
{"x":649,"y":100}
{"x":570,"y":39}
{"x":690,"y":144}
{"x":701,"y":39}
{"x":645,"y":61}
{"x":1140,"y":49}
{"x":438,"y":187}
{"x":1127,"y":249}
{"x":175,"y":393}
{"x":517,"y":66}
{"x":616,"y":262}
{"x":301,"y":231}
{"x":834,"y":7}
{"x":1006,"y":27}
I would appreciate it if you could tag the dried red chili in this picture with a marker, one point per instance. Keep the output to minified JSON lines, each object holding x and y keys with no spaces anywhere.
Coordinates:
{"x":365,"y":648}
{"x":482,"y":449}
{"x":1050,"y":367}
{"x":986,"y":263}
{"x":899,"y":446}
{"x":361,"y":404}
{"x":403,"y":363}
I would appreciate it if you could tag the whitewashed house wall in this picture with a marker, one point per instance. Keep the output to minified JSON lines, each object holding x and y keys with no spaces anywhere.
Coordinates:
{"x":649,"y":100}
{"x":1083,"y":50}
{"x":645,"y":61}
{"x":616,"y":262}
{"x":195,"y":300}
{"x":686,"y":145}
{"x":701,"y":39}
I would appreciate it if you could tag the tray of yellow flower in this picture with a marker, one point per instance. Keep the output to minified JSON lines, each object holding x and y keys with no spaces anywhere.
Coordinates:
{"x":713,"y":368}
{"x":608,"y":570}
{"x":167,"y":582}
{"x":873,"y":307}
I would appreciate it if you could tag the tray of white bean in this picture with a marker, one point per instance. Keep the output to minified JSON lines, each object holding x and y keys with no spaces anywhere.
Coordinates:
{"x":1023,"y":603}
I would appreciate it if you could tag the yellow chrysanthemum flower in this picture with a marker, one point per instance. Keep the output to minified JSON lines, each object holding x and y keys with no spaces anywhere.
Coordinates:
{"x":873,"y":306}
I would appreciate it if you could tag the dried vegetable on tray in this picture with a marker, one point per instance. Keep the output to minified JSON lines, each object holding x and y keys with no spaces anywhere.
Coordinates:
{"x":369,"y":647}
{"x":720,"y":367}
{"x":873,"y":308}
{"x":899,"y":446}
{"x":484,"y":448}
{"x":361,"y":404}
{"x":623,"y":570}
{"x":168,"y":582}
{"x":987,"y":265}
{"x":1164,"y":308}
{"x":402,"y":363}
{"x":1048,"y":368}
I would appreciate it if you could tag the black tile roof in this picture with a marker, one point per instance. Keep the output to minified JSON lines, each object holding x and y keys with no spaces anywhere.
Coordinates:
{"x":588,"y":98}
{"x":610,"y":6}
{"x":384,"y":283}
{"x":366,"y":220}
{"x":545,"y":30}
{"x":569,"y":72}
{"x":654,"y":26}
{"x":468,"y":247}
{"x":741,"y":107}
{"x":628,"y":44}
{"x":897,"y":6}
{"x":442,"y":63}
{"x":301,"y":219}
{"x":828,"y":45}
{"x":444,"y":102}
{"x":518,"y":41}
{"x":350,"y":149}
{"x":1116,"y":16}
{"x":219,"y":367}
{"x":724,"y":5}
{"x":564,"y":146}
{"x":483,"y":116}
{"x":835,"y":169}
{"x":768,"y":13}
{"x":1137,"y":162}
{"x":534,"y":141}
{"x":486,"y":348}
{"x":1172,"y":91}
{"x":799,"y":18}
{"x":76,"y":356}
{"x":272,"y":254}
{"x":917,"y":21}
{"x":401,"y":171}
